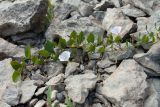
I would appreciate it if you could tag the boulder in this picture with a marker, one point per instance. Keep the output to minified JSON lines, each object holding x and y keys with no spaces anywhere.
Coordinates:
{"x":21,"y":16}
{"x":115,"y":17}
{"x":126,"y":86}
{"x":150,"y":60}
{"x":78,"y":86}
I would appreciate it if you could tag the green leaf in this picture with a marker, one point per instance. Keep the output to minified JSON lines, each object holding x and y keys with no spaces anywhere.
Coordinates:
{"x":55,"y":56}
{"x":90,"y":38}
{"x":80,"y":38}
{"x":145,"y":39}
{"x":28,"y":52}
{"x":62,"y":43}
{"x":101,"y":49}
{"x":37,"y":61}
{"x":90,"y":47}
{"x":44,"y":53}
{"x":117,"y":39}
{"x":16,"y":76}
{"x":110,"y":39}
{"x":15,"y":65}
{"x":48,"y":46}
{"x":69,"y":103}
{"x":49,"y":99}
{"x":99,"y":41}
{"x":73,"y":35}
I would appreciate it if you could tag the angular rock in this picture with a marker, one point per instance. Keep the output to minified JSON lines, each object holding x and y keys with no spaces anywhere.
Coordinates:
{"x":111,"y":69}
{"x":64,"y":28}
{"x":40,"y":91}
{"x":12,"y":95}
{"x":115,"y":17}
{"x":21,"y":16}
{"x":73,"y":2}
{"x":127,"y":86}
{"x":28,"y":89}
{"x":71,"y":67}
{"x":33,"y":102}
{"x":78,"y":86}
{"x":150,"y":59}
{"x":9,"y":49}
{"x":6,"y":72}
{"x":103,"y":5}
{"x":131,"y":11}
{"x":3,"y":104}
{"x":104,"y":63}
{"x":40,"y":103}
{"x":55,"y":80}
{"x":153,"y":99}
{"x":53,"y":69}
{"x":85,"y":9}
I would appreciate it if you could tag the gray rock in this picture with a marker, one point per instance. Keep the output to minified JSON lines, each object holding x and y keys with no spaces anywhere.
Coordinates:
{"x":53,"y":95}
{"x":78,"y":86}
{"x":103,"y":5}
{"x":60,"y":97}
{"x":40,"y":103}
{"x":53,"y":69}
{"x":28,"y":89}
{"x":3,"y":104}
{"x":150,"y":59}
{"x":62,"y":105}
{"x":55,"y":103}
{"x":21,"y":16}
{"x":98,"y":15}
{"x":6,"y":72}
{"x":73,"y":2}
{"x":153,"y":99}
{"x":127,"y":86}
{"x":121,"y":53}
{"x":110,"y":69}
{"x":64,"y":28}
{"x":94,"y":56}
{"x":55,"y":80}
{"x":97,"y":105}
{"x":131,"y":11}
{"x":40,"y":91}
{"x":71,"y":67}
{"x":9,"y":49}
{"x":33,"y":102}
{"x":115,"y":17}
{"x":85,"y":9}
{"x":38,"y":76}
{"x":104,"y":63}
{"x":12,"y":95}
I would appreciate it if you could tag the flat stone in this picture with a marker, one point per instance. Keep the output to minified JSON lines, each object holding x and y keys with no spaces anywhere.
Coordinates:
{"x":104,"y":63}
{"x":28,"y":89}
{"x":78,"y":86}
{"x":3,"y":104}
{"x":12,"y":95}
{"x":127,"y":86}
{"x":21,"y":16}
{"x":40,"y":91}
{"x":55,"y":80}
{"x":40,"y":103}
{"x":71,"y":67}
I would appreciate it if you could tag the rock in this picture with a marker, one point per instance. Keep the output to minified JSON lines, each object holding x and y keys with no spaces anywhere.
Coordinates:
{"x":153,"y":99}
{"x":55,"y":80}
{"x":28,"y":89}
{"x":150,"y":59}
{"x":71,"y":67}
{"x":122,"y":52}
{"x":127,"y":86}
{"x":38,"y":76}
{"x":60,"y":97}
{"x":78,"y":86}
{"x":98,"y":15}
{"x":85,"y":9}
{"x":12,"y":95}
{"x":75,"y":3}
{"x":115,"y":17}
{"x":40,"y":91}
{"x":33,"y":102}
{"x":104,"y":63}
{"x":64,"y":28}
{"x":97,"y":105}
{"x":3,"y":104}
{"x":110,"y":69}
{"x":91,"y":64}
{"x":62,"y":105}
{"x":9,"y":49}
{"x":94,"y":56}
{"x":62,"y":11}
{"x":5,"y":75}
{"x":21,"y":16}
{"x":38,"y":83}
{"x":53,"y":95}
{"x":55,"y":103}
{"x":103,"y":5}
{"x":53,"y":69}
{"x":131,"y":11}
{"x":40,"y":103}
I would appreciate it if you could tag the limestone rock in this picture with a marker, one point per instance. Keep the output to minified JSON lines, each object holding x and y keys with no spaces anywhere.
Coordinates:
{"x":78,"y":86}
{"x":71,"y":67}
{"x":126,"y":87}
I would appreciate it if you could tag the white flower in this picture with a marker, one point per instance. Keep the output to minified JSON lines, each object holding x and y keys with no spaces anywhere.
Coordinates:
{"x":116,"y":30}
{"x":64,"y":56}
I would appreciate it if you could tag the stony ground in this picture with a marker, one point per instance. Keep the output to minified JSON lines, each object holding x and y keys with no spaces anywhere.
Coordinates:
{"x":121,"y":78}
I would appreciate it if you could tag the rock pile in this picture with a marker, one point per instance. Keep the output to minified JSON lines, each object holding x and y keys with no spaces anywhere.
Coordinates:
{"x":121,"y":78}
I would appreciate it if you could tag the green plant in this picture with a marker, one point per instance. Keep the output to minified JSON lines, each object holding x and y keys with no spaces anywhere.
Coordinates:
{"x":49,"y":99}
{"x":68,"y":102}
{"x":50,"y":14}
